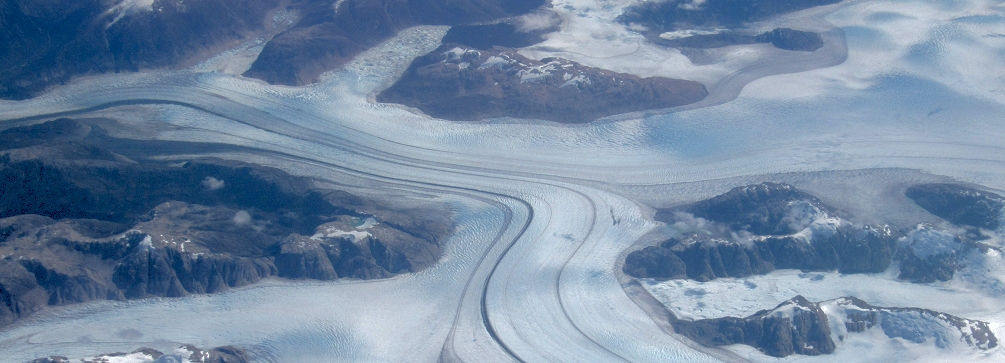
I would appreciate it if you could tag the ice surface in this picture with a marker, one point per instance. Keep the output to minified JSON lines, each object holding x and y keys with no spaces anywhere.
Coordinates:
{"x":544,"y":211}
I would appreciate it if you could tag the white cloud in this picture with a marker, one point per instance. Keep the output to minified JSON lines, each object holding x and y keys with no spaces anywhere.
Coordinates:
{"x":692,"y":5}
{"x":212,"y":183}
{"x":242,"y":218}
{"x":537,"y":21}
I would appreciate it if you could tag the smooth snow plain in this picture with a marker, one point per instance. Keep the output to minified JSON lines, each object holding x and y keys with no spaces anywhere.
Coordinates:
{"x":544,"y":211}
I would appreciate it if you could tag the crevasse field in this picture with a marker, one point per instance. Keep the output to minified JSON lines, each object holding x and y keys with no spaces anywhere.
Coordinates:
{"x":905,"y":91}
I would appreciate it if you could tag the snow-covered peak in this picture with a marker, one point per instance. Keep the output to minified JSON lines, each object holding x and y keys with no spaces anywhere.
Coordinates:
{"x":680,"y":34}
{"x":926,"y":240}
{"x":462,"y":56}
{"x":792,"y":307}
{"x":128,"y":7}
{"x":183,"y":354}
{"x":810,"y":220}
{"x":561,"y":71}
{"x":919,"y":326}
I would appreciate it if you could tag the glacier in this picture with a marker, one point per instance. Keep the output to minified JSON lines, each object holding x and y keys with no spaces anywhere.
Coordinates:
{"x":546,"y":211}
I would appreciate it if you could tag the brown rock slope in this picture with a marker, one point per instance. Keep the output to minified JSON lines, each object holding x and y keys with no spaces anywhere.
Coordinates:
{"x":457,"y":82}
{"x":81,"y":222}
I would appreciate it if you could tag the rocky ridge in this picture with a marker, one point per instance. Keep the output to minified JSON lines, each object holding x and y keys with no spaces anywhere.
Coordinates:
{"x":333,"y":32}
{"x":781,"y":38}
{"x":960,"y":205}
{"x":506,"y":34}
{"x":49,"y":42}
{"x":458,"y":82}
{"x":80,"y":222}
{"x":184,"y":354}
{"x":755,"y":229}
{"x":798,"y":326}
{"x":717,"y":23}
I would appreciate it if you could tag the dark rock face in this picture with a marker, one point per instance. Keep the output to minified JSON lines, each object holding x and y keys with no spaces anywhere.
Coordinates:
{"x":80,"y":222}
{"x":187,"y":353}
{"x":760,"y":209}
{"x":658,"y":17}
{"x":930,"y":269}
{"x":301,"y":257}
{"x":781,"y":38}
{"x":51,"y":359}
{"x":48,"y":42}
{"x":913,"y":324}
{"x":929,"y":254}
{"x":456,"y":82}
{"x":325,"y":258}
{"x":64,"y":289}
{"x":655,"y":262}
{"x":19,"y":293}
{"x":329,"y":38}
{"x":959,"y":204}
{"x":227,"y":354}
{"x":849,"y":250}
{"x":759,"y":228}
{"x":681,"y":14}
{"x":151,"y":271}
{"x":756,"y":229}
{"x":796,"y":326}
{"x":506,"y":34}
{"x":789,"y":39}
{"x":84,"y":180}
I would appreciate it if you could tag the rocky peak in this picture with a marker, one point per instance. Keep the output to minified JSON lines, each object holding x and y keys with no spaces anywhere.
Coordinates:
{"x":458,"y":82}
{"x":799,"y":326}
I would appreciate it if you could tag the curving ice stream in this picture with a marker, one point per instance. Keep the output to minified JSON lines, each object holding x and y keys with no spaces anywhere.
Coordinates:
{"x":543,"y":211}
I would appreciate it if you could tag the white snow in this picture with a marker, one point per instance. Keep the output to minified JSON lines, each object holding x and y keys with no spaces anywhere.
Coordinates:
{"x":147,"y":243}
{"x":128,"y":7}
{"x":678,"y":34}
{"x":576,"y":81}
{"x":535,"y":73}
{"x":921,"y":90}
{"x":496,"y":61}
{"x":925,"y":240}
{"x":212,"y":183}
{"x":460,"y":56}
{"x":368,"y":223}
{"x":128,"y":358}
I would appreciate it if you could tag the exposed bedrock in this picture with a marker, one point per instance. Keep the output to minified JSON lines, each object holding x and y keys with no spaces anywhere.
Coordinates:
{"x":756,"y":229}
{"x":683,"y":14}
{"x":781,"y":38}
{"x":717,"y":23}
{"x":48,"y":42}
{"x":794,"y":327}
{"x":458,"y":82}
{"x":960,"y":205}
{"x":798,"y":326}
{"x":80,"y":222}
{"x":330,"y":35}
{"x":702,"y":258}
{"x":185,"y":353}
{"x":509,"y":33}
